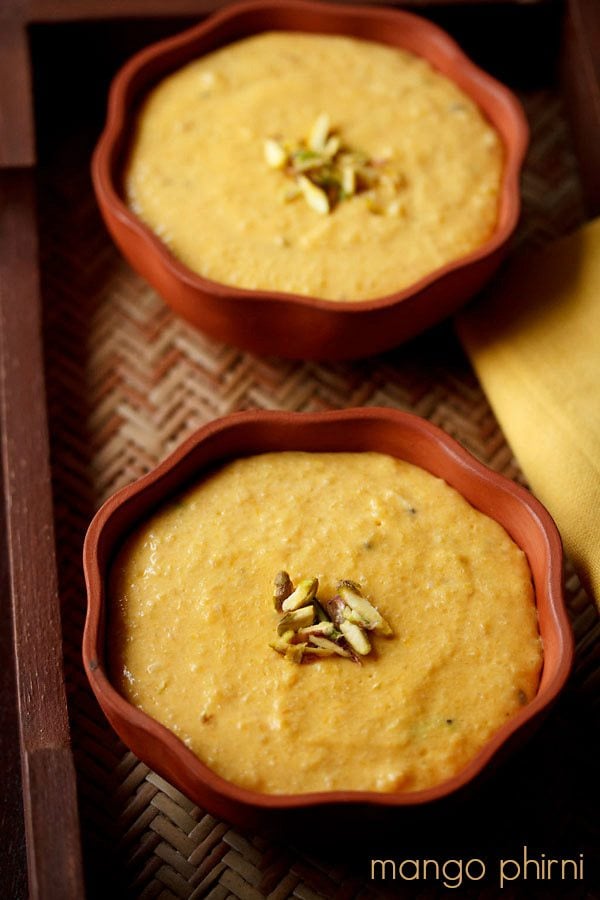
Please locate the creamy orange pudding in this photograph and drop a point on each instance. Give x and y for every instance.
(314, 164)
(191, 622)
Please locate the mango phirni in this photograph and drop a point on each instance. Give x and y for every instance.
(192, 624)
(232, 165)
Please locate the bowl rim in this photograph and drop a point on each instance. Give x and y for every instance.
(117, 128)
(94, 630)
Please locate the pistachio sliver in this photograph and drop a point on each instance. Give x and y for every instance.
(320, 612)
(332, 146)
(314, 196)
(356, 638)
(351, 615)
(348, 180)
(282, 588)
(329, 645)
(281, 644)
(304, 593)
(295, 652)
(305, 160)
(351, 593)
(319, 132)
(275, 155)
(321, 629)
(335, 607)
(297, 619)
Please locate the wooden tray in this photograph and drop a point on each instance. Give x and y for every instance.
(99, 381)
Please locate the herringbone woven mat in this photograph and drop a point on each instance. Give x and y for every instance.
(127, 381)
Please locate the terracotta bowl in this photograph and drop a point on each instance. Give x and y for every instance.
(399, 434)
(289, 324)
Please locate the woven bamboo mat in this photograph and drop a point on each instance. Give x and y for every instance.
(127, 381)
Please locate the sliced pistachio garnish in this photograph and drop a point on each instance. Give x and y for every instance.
(336, 626)
(320, 612)
(326, 171)
(316, 198)
(350, 615)
(352, 594)
(319, 133)
(332, 646)
(282, 588)
(335, 607)
(321, 629)
(280, 645)
(295, 652)
(349, 180)
(304, 160)
(297, 619)
(275, 154)
(302, 595)
(356, 638)
(332, 146)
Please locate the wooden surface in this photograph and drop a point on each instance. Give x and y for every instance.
(216, 378)
(16, 107)
(48, 776)
(12, 873)
(581, 80)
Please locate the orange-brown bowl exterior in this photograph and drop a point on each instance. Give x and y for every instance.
(389, 431)
(289, 324)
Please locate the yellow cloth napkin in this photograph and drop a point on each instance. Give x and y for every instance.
(534, 340)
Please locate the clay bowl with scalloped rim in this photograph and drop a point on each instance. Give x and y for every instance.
(399, 434)
(292, 325)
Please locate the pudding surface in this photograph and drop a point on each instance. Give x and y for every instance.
(197, 176)
(191, 617)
